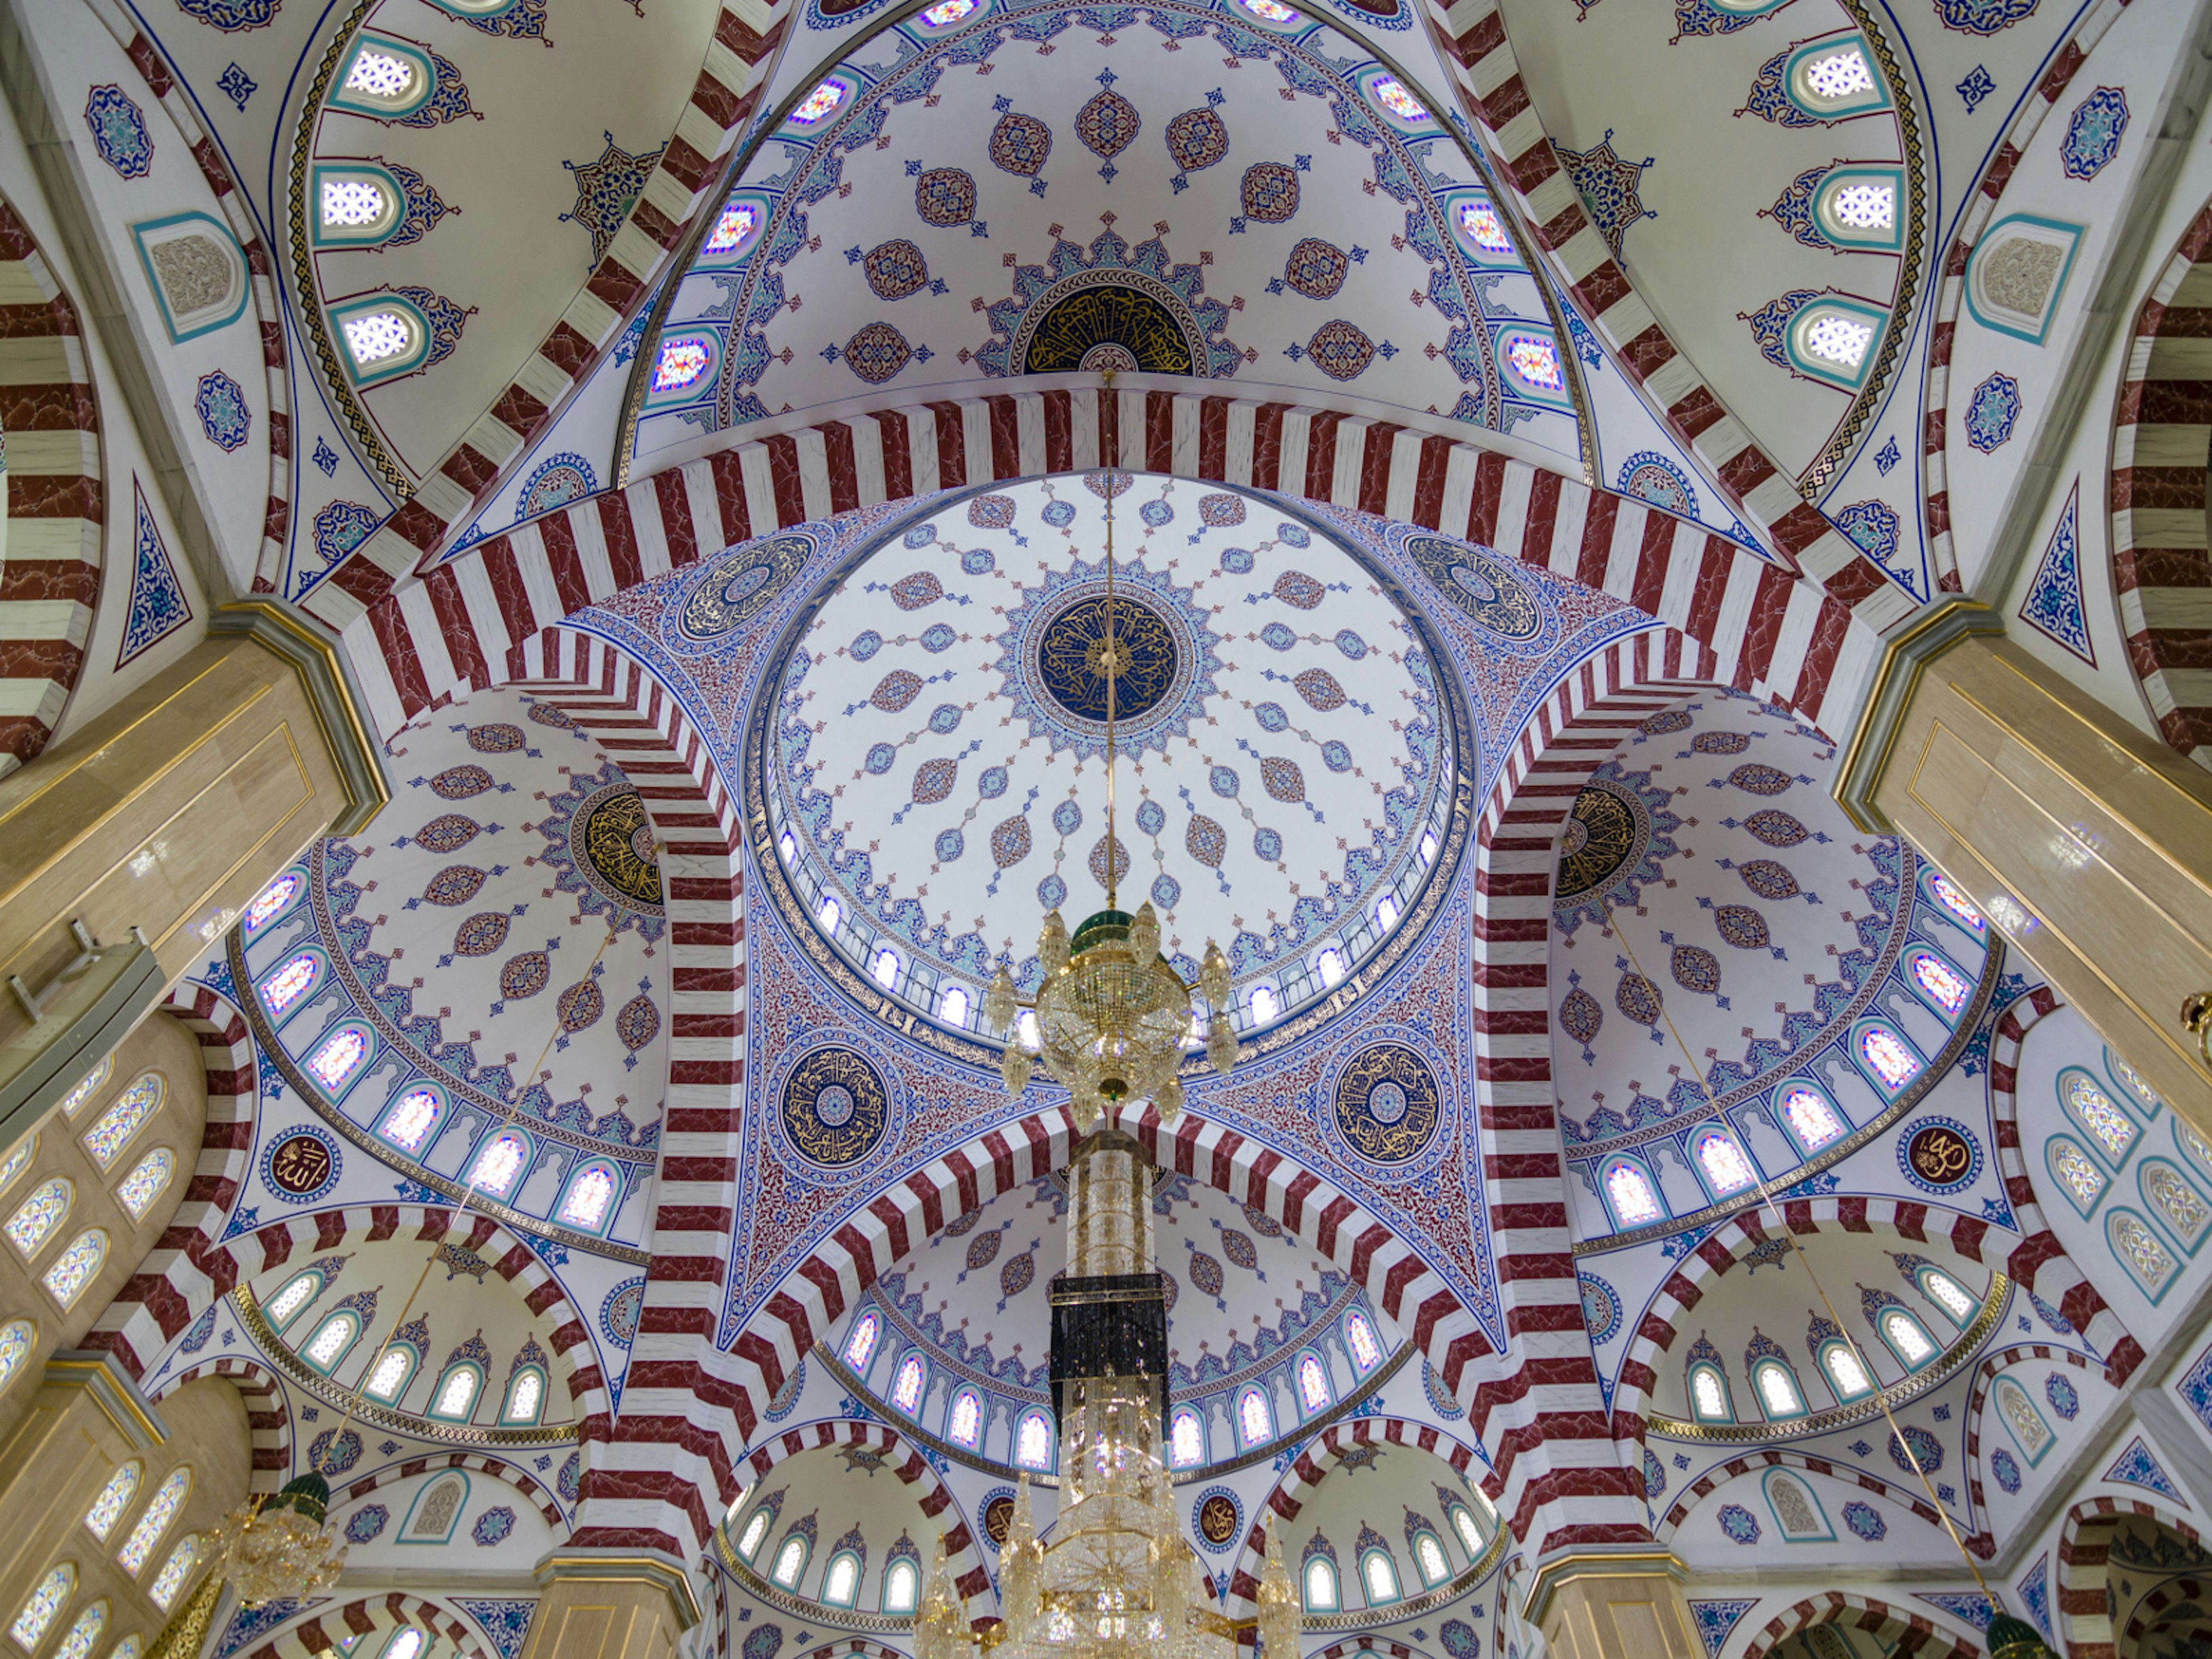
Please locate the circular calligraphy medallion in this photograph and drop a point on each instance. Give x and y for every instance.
(618, 1314)
(835, 1109)
(1071, 653)
(611, 840)
(997, 1517)
(301, 1166)
(1607, 833)
(742, 586)
(1477, 582)
(1387, 1109)
(1218, 1518)
(1940, 1155)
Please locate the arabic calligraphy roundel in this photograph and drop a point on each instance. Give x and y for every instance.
(1388, 1111)
(1940, 1155)
(1478, 582)
(836, 1108)
(742, 586)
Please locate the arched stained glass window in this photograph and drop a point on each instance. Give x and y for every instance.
(1944, 986)
(457, 1393)
(114, 1497)
(733, 227)
(2139, 1250)
(1470, 1534)
(1906, 1339)
(376, 337)
(1320, 1585)
(350, 202)
(860, 1345)
(413, 1116)
(332, 1339)
(340, 1056)
(525, 1396)
(1886, 1056)
(50, 1596)
(1727, 1170)
(406, 1643)
(129, 1648)
(790, 1562)
(2084, 1181)
(174, 1571)
(498, 1164)
(964, 1424)
(1708, 1394)
(905, 1387)
(1777, 1390)
(900, 1582)
(1033, 1442)
(84, 1633)
(843, 1581)
(886, 968)
(381, 75)
(270, 899)
(2113, 1130)
(1359, 1337)
(953, 1007)
(73, 1269)
(37, 1217)
(1845, 1374)
(392, 1373)
(1864, 204)
(2131, 1080)
(1380, 1573)
(755, 1529)
(1947, 1293)
(1628, 1189)
(819, 104)
(1948, 894)
(17, 1338)
(1255, 1422)
(148, 1179)
(160, 1509)
(590, 1198)
(1313, 1384)
(112, 1130)
(81, 1097)
(287, 1302)
(2179, 1204)
(1186, 1439)
(289, 983)
(1810, 1117)
(1429, 1556)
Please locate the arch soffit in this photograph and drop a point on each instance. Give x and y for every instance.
(1924, 1637)
(1755, 1463)
(324, 1628)
(474, 1463)
(2084, 1545)
(268, 1412)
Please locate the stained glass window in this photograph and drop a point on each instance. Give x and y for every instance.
(1270, 9)
(293, 1297)
(899, 1584)
(391, 1374)
(1952, 898)
(842, 1582)
(1707, 1397)
(78, 1643)
(830, 914)
(2131, 1080)
(1535, 359)
(2114, 1130)
(1888, 1057)
(589, 1196)
(75, 1100)
(73, 1268)
(1845, 1374)
(964, 1423)
(407, 1643)
(1837, 75)
(790, 1562)
(411, 1120)
(51, 1596)
(1255, 1421)
(1777, 1390)
(2021, 1416)
(1186, 1439)
(1329, 965)
(335, 1337)
(381, 75)
(272, 898)
(498, 1164)
(146, 1181)
(2139, 1248)
(824, 100)
(2181, 1203)
(39, 1214)
(860, 1345)
(129, 1648)
(906, 1389)
(1313, 1384)
(1430, 1554)
(732, 226)
(1479, 223)
(288, 983)
(523, 1396)
(1903, 1333)
(947, 12)
(456, 1394)
(1320, 1585)
(1865, 204)
(1391, 94)
(755, 1529)
(952, 1008)
(339, 1058)
(112, 1131)
(1944, 985)
(374, 337)
(18, 1161)
(2083, 1178)
(1382, 1576)
(1947, 1293)
(1033, 1442)
(1812, 1120)
(1470, 1535)
(114, 1497)
(1629, 1191)
(1724, 1161)
(162, 1509)
(17, 1338)
(1836, 338)
(1359, 1337)
(1263, 1004)
(349, 203)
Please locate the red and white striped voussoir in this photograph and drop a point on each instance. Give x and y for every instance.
(55, 504)
(1950, 294)
(1905, 1630)
(460, 625)
(2083, 1600)
(686, 181)
(1978, 1398)
(1905, 1497)
(268, 1417)
(1306, 1473)
(276, 517)
(2159, 561)
(2040, 1262)
(475, 1462)
(1557, 1475)
(961, 1555)
(324, 1630)
(1470, 36)
(2179, 1593)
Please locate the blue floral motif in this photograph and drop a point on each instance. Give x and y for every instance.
(1926, 1448)
(1992, 411)
(2006, 1469)
(366, 1523)
(1650, 477)
(1770, 323)
(339, 528)
(158, 606)
(1984, 17)
(1738, 1523)
(2054, 605)
(2135, 1466)
(1655, 1477)
(119, 131)
(1865, 1521)
(1873, 526)
(505, 1620)
(220, 405)
(1716, 1618)
(2063, 1398)
(2093, 135)
(1976, 87)
(232, 17)
(1601, 1308)
(556, 481)
(2034, 1591)
(493, 1526)
(236, 84)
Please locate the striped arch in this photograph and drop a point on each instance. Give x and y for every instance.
(268, 1413)
(462, 625)
(1985, 1375)
(2080, 1608)
(174, 1284)
(2185, 1595)
(2040, 1262)
(1908, 1632)
(961, 1554)
(1558, 1476)
(322, 1631)
(1858, 599)
(1306, 1473)
(2158, 501)
(476, 1462)
(57, 502)
(1772, 1457)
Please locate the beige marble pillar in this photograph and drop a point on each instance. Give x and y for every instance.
(607, 1604)
(2087, 844)
(1613, 1606)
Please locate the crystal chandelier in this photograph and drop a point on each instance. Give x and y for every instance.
(1111, 1015)
(283, 1547)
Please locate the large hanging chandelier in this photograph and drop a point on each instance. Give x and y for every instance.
(1112, 1015)
(283, 1548)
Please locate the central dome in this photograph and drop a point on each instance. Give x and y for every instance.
(936, 758)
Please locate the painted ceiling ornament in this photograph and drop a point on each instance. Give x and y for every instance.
(834, 1109)
(1984, 17)
(1480, 582)
(523, 20)
(1702, 19)
(1618, 834)
(1387, 1109)
(734, 590)
(601, 847)
(1110, 296)
(1607, 183)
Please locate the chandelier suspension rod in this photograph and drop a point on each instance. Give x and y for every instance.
(1110, 662)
